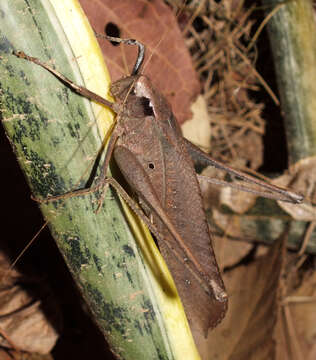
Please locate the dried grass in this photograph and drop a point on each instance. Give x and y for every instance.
(224, 56)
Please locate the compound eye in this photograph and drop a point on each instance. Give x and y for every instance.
(148, 110)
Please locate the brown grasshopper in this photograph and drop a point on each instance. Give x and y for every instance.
(158, 164)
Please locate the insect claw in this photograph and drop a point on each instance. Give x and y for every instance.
(41, 201)
(101, 200)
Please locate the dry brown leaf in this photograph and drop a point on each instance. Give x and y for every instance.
(228, 252)
(230, 224)
(238, 201)
(302, 178)
(247, 330)
(4, 355)
(17, 355)
(198, 129)
(153, 23)
(24, 322)
(296, 331)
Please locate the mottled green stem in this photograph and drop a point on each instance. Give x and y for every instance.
(292, 34)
